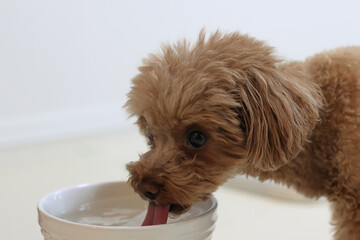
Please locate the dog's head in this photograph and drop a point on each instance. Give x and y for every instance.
(215, 109)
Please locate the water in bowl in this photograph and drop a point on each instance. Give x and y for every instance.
(117, 211)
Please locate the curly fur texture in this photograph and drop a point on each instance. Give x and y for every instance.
(296, 123)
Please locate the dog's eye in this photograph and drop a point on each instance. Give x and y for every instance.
(150, 136)
(196, 139)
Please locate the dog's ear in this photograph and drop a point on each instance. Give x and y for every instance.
(278, 111)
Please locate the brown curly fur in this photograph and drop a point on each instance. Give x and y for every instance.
(293, 122)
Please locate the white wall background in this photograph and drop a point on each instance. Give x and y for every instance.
(65, 66)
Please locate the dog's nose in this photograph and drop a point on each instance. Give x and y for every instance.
(148, 190)
(150, 195)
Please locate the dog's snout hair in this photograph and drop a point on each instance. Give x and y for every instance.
(164, 170)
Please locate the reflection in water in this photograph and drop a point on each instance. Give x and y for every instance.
(119, 211)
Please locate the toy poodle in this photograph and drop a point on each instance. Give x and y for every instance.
(228, 105)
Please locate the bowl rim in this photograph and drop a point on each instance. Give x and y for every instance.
(41, 210)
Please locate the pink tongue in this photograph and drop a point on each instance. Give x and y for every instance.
(156, 214)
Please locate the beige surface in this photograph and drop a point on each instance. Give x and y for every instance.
(29, 172)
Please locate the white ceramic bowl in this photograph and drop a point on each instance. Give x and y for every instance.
(112, 211)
